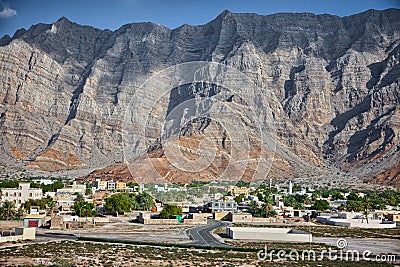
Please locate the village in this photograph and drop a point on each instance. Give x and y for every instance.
(234, 210)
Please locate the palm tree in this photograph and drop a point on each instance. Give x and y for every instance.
(267, 206)
(253, 206)
(8, 210)
(367, 206)
(51, 206)
(306, 200)
(79, 198)
(20, 213)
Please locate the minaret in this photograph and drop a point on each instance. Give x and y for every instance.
(290, 187)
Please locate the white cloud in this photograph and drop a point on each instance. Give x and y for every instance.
(7, 13)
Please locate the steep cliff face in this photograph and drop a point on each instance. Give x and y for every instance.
(332, 85)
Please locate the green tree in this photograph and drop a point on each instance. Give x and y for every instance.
(290, 201)
(354, 205)
(8, 211)
(20, 213)
(170, 210)
(366, 207)
(131, 184)
(320, 204)
(9, 184)
(239, 198)
(337, 195)
(271, 213)
(79, 198)
(145, 201)
(41, 203)
(243, 184)
(253, 207)
(81, 207)
(48, 187)
(51, 207)
(353, 196)
(120, 203)
(267, 206)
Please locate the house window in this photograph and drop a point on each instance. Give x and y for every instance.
(30, 194)
(6, 194)
(19, 201)
(19, 194)
(15, 194)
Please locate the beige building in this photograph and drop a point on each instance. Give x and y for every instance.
(235, 190)
(21, 194)
(121, 186)
(100, 185)
(72, 189)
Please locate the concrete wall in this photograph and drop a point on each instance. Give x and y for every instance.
(266, 220)
(27, 233)
(10, 224)
(240, 217)
(269, 234)
(196, 218)
(160, 221)
(57, 222)
(19, 235)
(224, 216)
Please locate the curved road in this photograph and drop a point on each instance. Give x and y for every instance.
(203, 236)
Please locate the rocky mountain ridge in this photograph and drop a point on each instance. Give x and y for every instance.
(65, 89)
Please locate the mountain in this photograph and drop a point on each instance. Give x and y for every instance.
(329, 84)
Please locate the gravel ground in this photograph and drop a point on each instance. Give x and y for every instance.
(375, 245)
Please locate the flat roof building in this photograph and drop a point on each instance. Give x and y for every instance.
(223, 206)
(21, 194)
(269, 234)
(121, 186)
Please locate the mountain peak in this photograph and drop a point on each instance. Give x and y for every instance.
(225, 13)
(63, 20)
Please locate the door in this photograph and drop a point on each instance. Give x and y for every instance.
(33, 223)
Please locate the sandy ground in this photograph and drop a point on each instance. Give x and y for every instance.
(157, 233)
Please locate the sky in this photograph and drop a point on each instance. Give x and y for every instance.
(107, 14)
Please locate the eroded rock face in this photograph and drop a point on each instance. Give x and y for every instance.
(332, 85)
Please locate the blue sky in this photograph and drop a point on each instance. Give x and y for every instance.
(15, 14)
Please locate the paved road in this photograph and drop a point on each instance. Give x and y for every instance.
(50, 236)
(203, 236)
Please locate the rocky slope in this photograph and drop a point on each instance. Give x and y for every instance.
(330, 85)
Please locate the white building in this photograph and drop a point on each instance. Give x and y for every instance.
(72, 189)
(223, 206)
(111, 185)
(43, 181)
(21, 194)
(350, 219)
